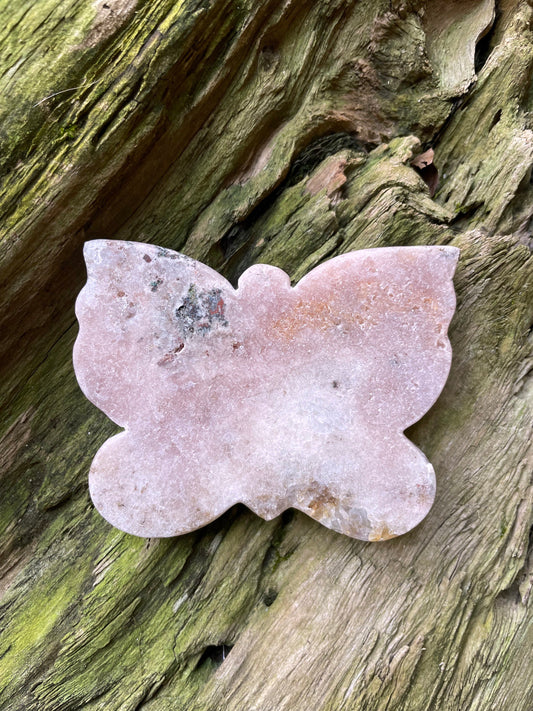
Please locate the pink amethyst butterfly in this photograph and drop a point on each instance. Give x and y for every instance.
(269, 395)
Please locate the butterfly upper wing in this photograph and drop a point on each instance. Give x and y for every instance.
(141, 306)
(390, 308)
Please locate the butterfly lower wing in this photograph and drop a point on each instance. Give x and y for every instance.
(135, 489)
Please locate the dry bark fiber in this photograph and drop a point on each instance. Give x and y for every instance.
(283, 132)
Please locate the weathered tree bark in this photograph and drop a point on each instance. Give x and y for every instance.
(239, 131)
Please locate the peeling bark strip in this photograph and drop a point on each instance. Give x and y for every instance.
(283, 133)
(427, 170)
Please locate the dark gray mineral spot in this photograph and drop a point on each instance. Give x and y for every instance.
(201, 312)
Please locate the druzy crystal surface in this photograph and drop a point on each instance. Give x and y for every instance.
(270, 395)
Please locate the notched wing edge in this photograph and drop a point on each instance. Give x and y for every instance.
(450, 254)
(93, 249)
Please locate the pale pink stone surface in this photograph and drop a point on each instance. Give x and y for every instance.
(268, 395)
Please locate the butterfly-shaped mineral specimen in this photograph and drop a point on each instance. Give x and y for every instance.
(268, 395)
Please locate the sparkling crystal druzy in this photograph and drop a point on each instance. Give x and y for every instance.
(270, 395)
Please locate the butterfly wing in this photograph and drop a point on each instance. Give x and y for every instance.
(146, 315)
(391, 308)
(370, 328)
(140, 307)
